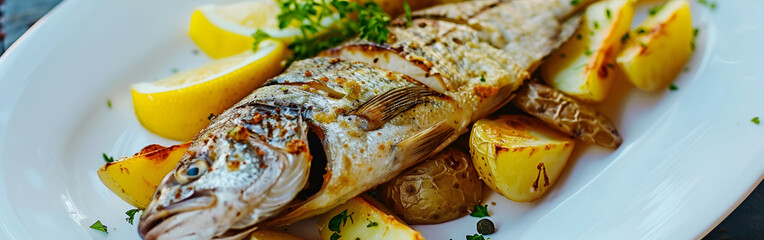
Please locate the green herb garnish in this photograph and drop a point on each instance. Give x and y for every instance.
(259, 36)
(372, 224)
(695, 32)
(339, 220)
(407, 9)
(656, 9)
(335, 236)
(711, 5)
(673, 87)
(370, 23)
(480, 211)
(641, 31)
(131, 215)
(211, 116)
(575, 2)
(475, 237)
(108, 102)
(596, 25)
(174, 70)
(100, 227)
(607, 13)
(562, 55)
(625, 38)
(106, 158)
(482, 78)
(588, 52)
(755, 120)
(578, 36)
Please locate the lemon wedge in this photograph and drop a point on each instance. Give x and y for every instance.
(226, 30)
(178, 107)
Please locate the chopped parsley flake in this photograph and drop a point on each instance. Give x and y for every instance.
(692, 45)
(641, 31)
(596, 25)
(673, 87)
(578, 36)
(608, 13)
(335, 236)
(575, 2)
(656, 9)
(695, 32)
(711, 5)
(562, 55)
(372, 224)
(174, 70)
(475, 237)
(339, 220)
(588, 52)
(100, 227)
(480, 211)
(131, 215)
(482, 78)
(108, 102)
(625, 38)
(643, 44)
(211, 116)
(755, 120)
(259, 36)
(106, 158)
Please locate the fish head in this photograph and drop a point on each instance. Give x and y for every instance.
(227, 184)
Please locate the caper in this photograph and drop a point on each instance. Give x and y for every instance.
(485, 226)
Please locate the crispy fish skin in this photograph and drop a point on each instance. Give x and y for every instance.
(566, 114)
(257, 153)
(252, 164)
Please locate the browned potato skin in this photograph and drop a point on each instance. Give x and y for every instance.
(440, 189)
(567, 114)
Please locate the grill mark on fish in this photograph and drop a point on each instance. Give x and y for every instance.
(486, 48)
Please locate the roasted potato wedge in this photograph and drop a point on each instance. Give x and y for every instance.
(441, 188)
(659, 48)
(517, 156)
(135, 178)
(584, 66)
(267, 234)
(364, 218)
(564, 113)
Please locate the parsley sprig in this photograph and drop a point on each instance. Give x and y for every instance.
(367, 20)
(131, 215)
(475, 237)
(480, 211)
(338, 221)
(100, 227)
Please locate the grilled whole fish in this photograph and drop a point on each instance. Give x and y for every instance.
(332, 127)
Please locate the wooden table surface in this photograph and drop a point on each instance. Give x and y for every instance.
(746, 222)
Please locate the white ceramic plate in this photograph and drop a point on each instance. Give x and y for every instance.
(689, 157)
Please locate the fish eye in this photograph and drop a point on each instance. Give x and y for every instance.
(191, 172)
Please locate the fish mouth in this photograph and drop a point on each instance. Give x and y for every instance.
(159, 219)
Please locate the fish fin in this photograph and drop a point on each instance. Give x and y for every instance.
(424, 143)
(566, 114)
(383, 107)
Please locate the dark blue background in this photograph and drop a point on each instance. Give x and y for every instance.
(746, 222)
